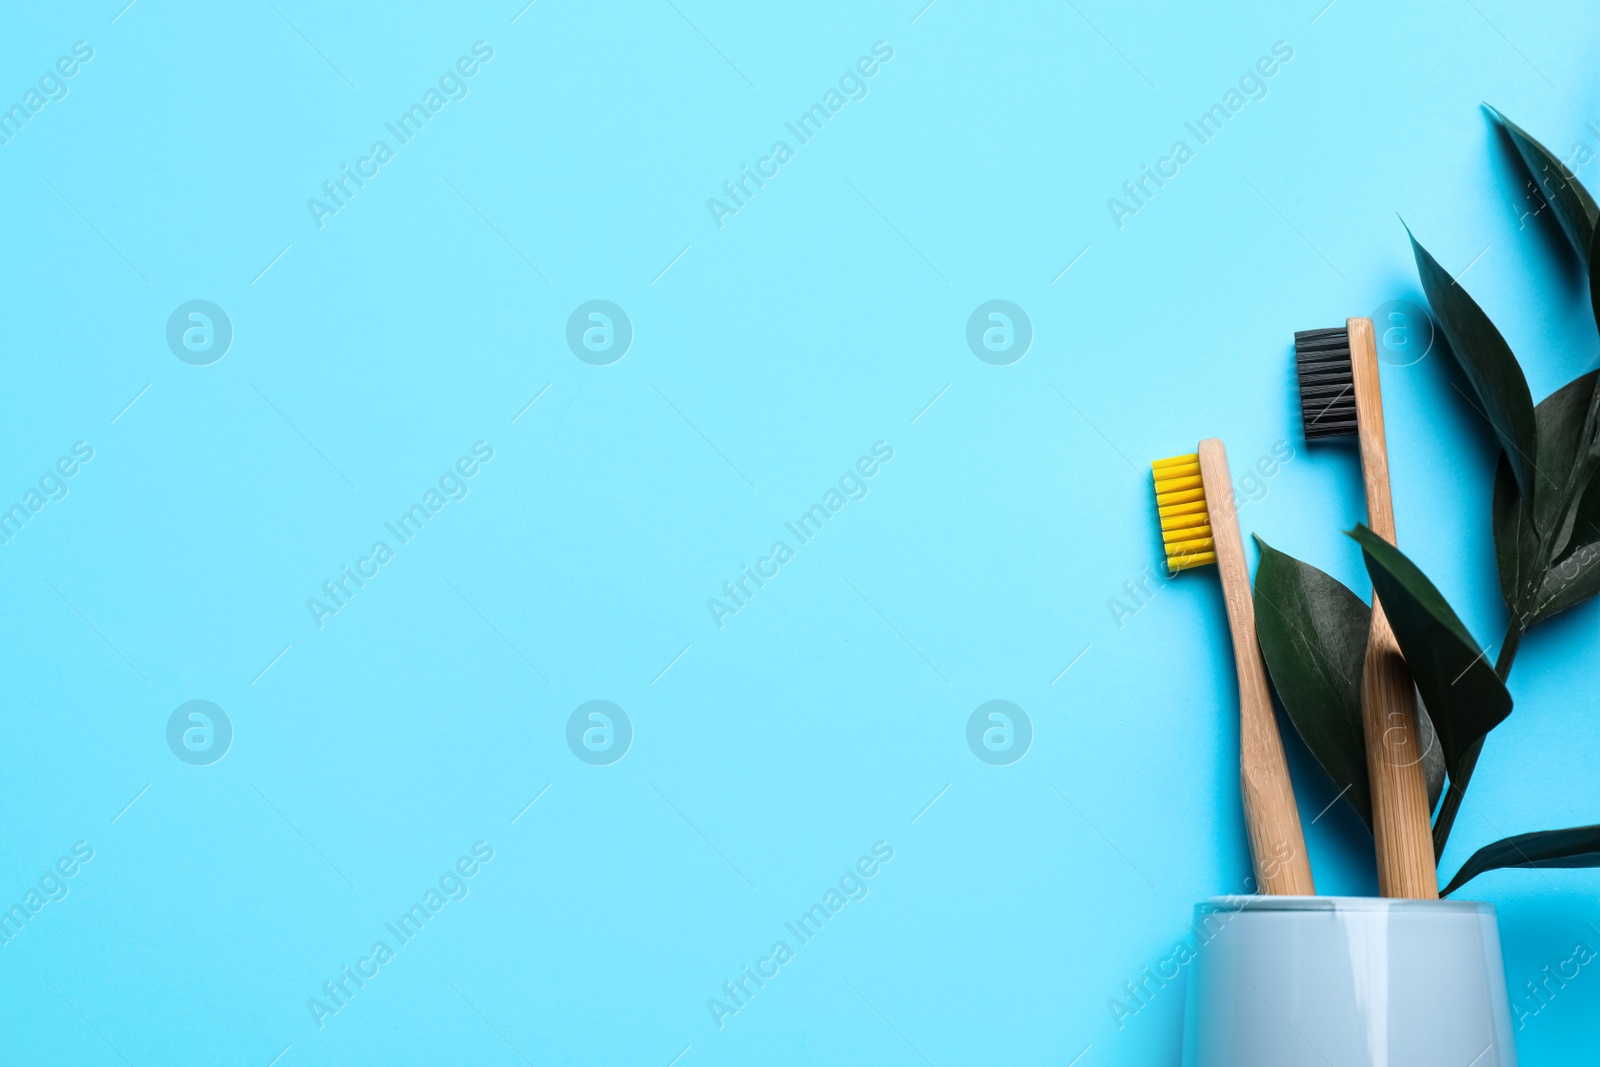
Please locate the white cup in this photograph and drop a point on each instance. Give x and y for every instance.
(1347, 982)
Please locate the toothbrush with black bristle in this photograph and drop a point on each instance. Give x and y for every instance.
(1199, 525)
(1340, 396)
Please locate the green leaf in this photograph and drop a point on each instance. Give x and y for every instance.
(1465, 698)
(1574, 208)
(1518, 552)
(1585, 528)
(1432, 755)
(1313, 635)
(1487, 362)
(1564, 419)
(1582, 527)
(1542, 575)
(1594, 275)
(1566, 584)
(1576, 846)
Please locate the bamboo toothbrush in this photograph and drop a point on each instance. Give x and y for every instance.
(1199, 525)
(1339, 396)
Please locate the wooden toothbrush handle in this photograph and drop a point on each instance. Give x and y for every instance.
(1400, 815)
(1272, 822)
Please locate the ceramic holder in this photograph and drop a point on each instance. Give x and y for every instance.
(1281, 981)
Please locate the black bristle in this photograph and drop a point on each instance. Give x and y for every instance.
(1327, 382)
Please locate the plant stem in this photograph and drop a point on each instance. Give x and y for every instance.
(1469, 762)
(1508, 650)
(1453, 796)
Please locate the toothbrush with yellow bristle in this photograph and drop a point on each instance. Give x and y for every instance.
(1199, 525)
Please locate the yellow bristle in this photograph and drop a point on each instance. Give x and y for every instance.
(1181, 504)
(1172, 483)
(1182, 497)
(1173, 519)
(1188, 546)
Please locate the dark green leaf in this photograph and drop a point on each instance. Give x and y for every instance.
(1586, 516)
(1566, 584)
(1487, 362)
(1576, 846)
(1313, 635)
(1583, 483)
(1541, 576)
(1574, 208)
(1572, 574)
(1432, 756)
(1518, 552)
(1464, 697)
(1594, 275)
(1564, 419)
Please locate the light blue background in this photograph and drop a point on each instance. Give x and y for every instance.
(822, 318)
